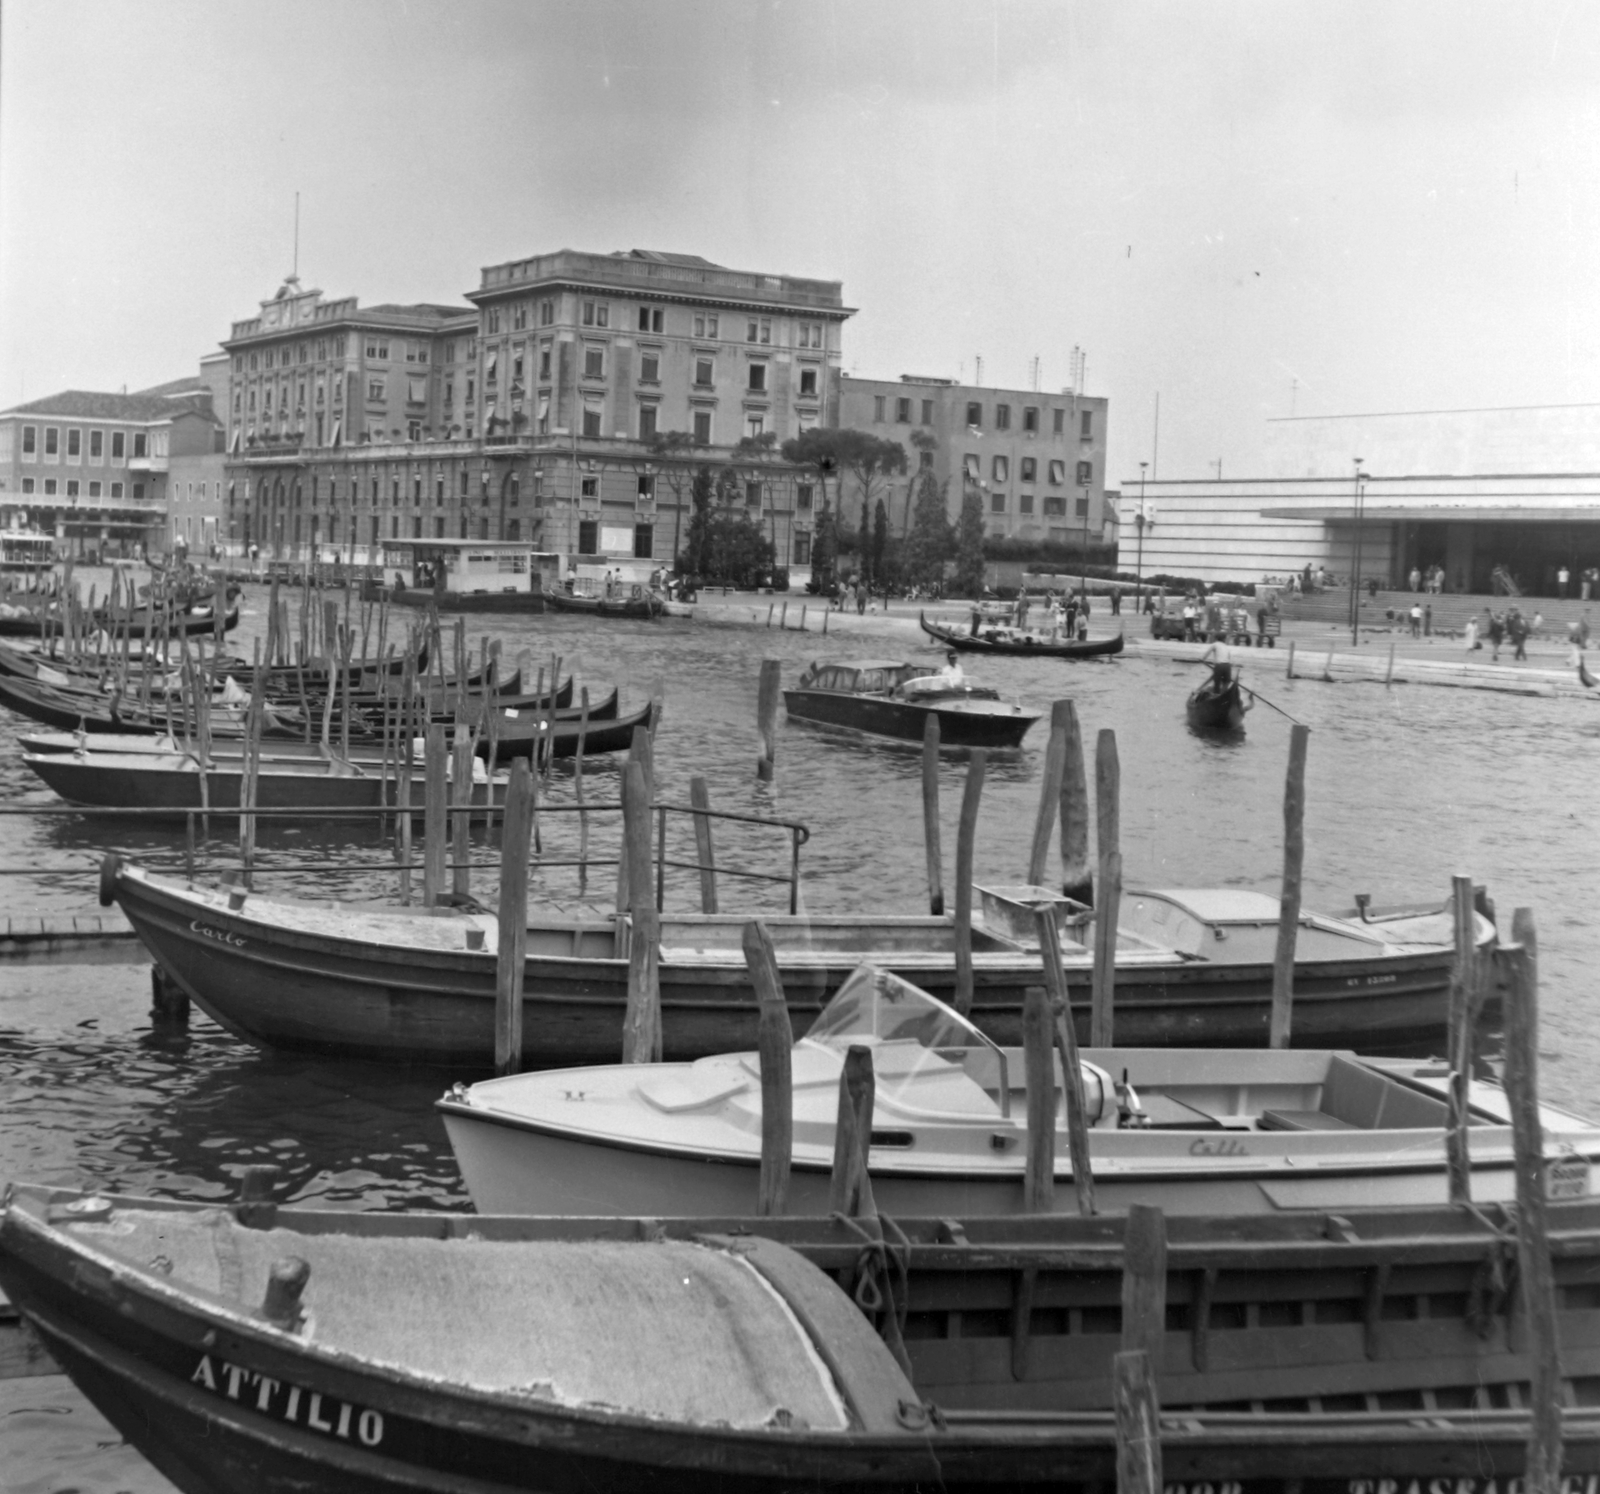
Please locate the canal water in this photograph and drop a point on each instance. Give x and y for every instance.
(1405, 786)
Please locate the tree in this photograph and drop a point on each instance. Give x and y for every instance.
(831, 453)
(670, 450)
(864, 547)
(969, 544)
(824, 549)
(880, 545)
(931, 541)
(695, 560)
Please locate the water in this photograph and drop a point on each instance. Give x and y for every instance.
(1405, 786)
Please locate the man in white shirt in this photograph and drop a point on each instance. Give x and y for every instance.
(951, 676)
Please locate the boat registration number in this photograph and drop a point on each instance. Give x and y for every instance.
(1566, 1177)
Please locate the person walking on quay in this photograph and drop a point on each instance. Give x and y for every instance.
(1416, 620)
(1517, 632)
(1470, 633)
(1116, 601)
(1497, 631)
(1562, 577)
(1415, 578)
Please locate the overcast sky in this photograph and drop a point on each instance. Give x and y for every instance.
(1248, 208)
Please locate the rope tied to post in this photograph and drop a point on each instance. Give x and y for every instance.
(879, 1279)
(1492, 1291)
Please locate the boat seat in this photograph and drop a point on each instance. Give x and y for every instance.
(1304, 1120)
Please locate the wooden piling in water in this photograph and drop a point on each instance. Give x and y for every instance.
(1288, 672)
(930, 814)
(1044, 823)
(849, 1188)
(1519, 964)
(462, 759)
(641, 1027)
(577, 791)
(775, 1045)
(435, 790)
(1038, 1045)
(767, 716)
(1388, 675)
(1108, 791)
(966, 837)
(1294, 855)
(1144, 1282)
(1458, 1040)
(1077, 881)
(704, 851)
(1138, 1412)
(512, 949)
(1066, 1038)
(783, 616)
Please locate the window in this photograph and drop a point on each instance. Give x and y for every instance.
(647, 423)
(647, 485)
(702, 427)
(94, 489)
(72, 487)
(1027, 469)
(972, 466)
(322, 391)
(52, 441)
(754, 424)
(594, 362)
(493, 321)
(810, 334)
(596, 314)
(1030, 420)
(547, 313)
(902, 411)
(650, 367)
(877, 409)
(997, 503)
(927, 412)
(1025, 503)
(1085, 474)
(1001, 469)
(304, 351)
(378, 351)
(519, 317)
(808, 383)
(438, 492)
(926, 459)
(449, 393)
(544, 360)
(588, 536)
(802, 548)
(116, 490)
(375, 389)
(30, 440)
(97, 446)
(644, 541)
(1058, 471)
(1080, 506)
(141, 444)
(1059, 420)
(27, 485)
(1086, 426)
(416, 390)
(752, 495)
(591, 420)
(1002, 417)
(704, 370)
(705, 326)
(758, 329)
(472, 385)
(1055, 507)
(50, 488)
(974, 414)
(516, 365)
(650, 318)
(491, 368)
(758, 377)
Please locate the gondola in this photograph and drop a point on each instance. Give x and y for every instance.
(260, 1349)
(1218, 707)
(996, 640)
(642, 604)
(34, 623)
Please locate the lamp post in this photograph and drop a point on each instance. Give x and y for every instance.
(1355, 579)
(1086, 540)
(1138, 565)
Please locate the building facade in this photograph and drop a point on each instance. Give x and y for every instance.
(96, 470)
(569, 404)
(1038, 460)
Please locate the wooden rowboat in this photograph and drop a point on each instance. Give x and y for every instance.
(254, 1348)
(408, 987)
(644, 605)
(1217, 707)
(1003, 640)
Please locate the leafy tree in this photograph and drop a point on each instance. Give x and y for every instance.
(880, 545)
(864, 547)
(670, 450)
(824, 549)
(969, 544)
(695, 561)
(931, 541)
(869, 459)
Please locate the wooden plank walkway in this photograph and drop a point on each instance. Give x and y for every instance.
(106, 935)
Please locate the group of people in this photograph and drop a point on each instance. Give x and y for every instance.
(1500, 628)
(1588, 581)
(1430, 581)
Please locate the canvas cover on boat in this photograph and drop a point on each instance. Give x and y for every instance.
(663, 1329)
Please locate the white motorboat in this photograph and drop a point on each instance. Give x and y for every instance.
(1195, 1131)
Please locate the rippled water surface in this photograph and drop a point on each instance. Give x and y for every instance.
(1405, 786)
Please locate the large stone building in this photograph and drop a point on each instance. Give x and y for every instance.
(1038, 460)
(99, 470)
(531, 413)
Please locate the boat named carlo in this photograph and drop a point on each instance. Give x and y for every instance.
(1214, 1131)
(891, 698)
(1194, 968)
(261, 1349)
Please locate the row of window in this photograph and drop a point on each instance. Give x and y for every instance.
(75, 443)
(323, 348)
(1053, 506)
(1027, 470)
(75, 488)
(1002, 416)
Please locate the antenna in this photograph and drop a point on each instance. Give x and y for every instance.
(296, 271)
(977, 364)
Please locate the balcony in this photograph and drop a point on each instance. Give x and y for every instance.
(148, 463)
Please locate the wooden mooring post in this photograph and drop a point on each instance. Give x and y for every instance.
(1458, 1040)
(775, 1045)
(1294, 855)
(1108, 790)
(849, 1189)
(1044, 823)
(641, 1026)
(704, 850)
(767, 716)
(461, 820)
(1038, 1047)
(1519, 964)
(511, 952)
(434, 807)
(966, 838)
(1138, 1412)
(930, 814)
(1077, 881)
(1134, 1394)
(1066, 1039)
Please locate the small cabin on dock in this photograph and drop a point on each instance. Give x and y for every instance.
(470, 567)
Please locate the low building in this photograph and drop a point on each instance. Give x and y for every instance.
(1038, 460)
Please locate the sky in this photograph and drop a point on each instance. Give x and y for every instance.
(1238, 211)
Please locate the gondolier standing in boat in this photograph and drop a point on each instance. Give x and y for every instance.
(1220, 657)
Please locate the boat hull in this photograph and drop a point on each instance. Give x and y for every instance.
(393, 999)
(466, 601)
(1210, 710)
(641, 607)
(1093, 648)
(981, 724)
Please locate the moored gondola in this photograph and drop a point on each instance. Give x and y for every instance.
(1003, 640)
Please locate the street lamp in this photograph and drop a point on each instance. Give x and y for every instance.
(1139, 521)
(1355, 579)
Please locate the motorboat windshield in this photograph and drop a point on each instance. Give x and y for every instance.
(912, 1034)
